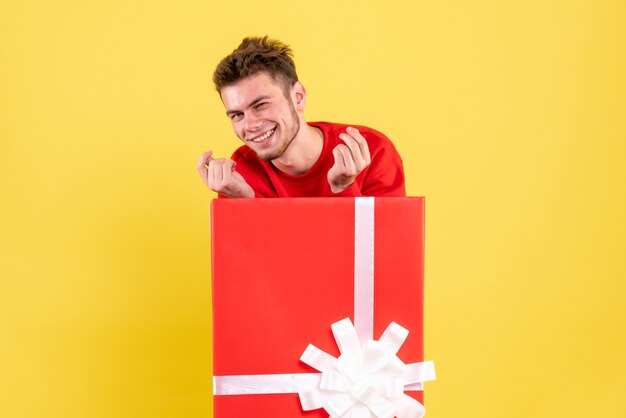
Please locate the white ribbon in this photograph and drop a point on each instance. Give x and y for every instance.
(364, 268)
(368, 379)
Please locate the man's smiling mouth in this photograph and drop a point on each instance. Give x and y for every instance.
(263, 137)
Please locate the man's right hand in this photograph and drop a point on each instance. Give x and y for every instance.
(220, 176)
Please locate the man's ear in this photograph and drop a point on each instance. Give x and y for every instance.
(298, 96)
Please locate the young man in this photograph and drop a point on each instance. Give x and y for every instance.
(283, 155)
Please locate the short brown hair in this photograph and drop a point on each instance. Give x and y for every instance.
(254, 55)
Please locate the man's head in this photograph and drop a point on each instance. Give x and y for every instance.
(255, 55)
(263, 98)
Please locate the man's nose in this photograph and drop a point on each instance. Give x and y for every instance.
(253, 123)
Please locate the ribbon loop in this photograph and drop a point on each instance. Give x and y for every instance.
(318, 359)
(345, 336)
(394, 337)
(419, 372)
(409, 408)
(310, 400)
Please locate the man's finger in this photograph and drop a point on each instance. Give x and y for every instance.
(355, 150)
(201, 165)
(360, 139)
(219, 173)
(204, 159)
(211, 175)
(215, 174)
(204, 173)
(339, 162)
(227, 170)
(348, 161)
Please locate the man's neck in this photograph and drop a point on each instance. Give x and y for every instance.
(303, 152)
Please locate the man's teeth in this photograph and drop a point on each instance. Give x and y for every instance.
(264, 136)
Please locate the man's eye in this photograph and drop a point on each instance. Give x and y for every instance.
(236, 116)
(261, 105)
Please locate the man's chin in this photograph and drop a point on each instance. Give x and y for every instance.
(270, 155)
(267, 156)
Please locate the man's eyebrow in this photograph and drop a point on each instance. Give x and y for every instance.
(259, 99)
(254, 102)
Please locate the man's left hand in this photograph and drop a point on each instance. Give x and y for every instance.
(350, 160)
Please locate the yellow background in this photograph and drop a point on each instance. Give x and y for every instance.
(510, 117)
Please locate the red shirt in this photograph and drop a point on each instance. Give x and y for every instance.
(383, 177)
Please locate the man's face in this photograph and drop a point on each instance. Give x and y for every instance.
(263, 118)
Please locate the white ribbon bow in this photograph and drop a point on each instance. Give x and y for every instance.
(366, 380)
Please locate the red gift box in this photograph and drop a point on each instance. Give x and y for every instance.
(284, 271)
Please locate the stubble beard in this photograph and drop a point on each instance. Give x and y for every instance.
(290, 135)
